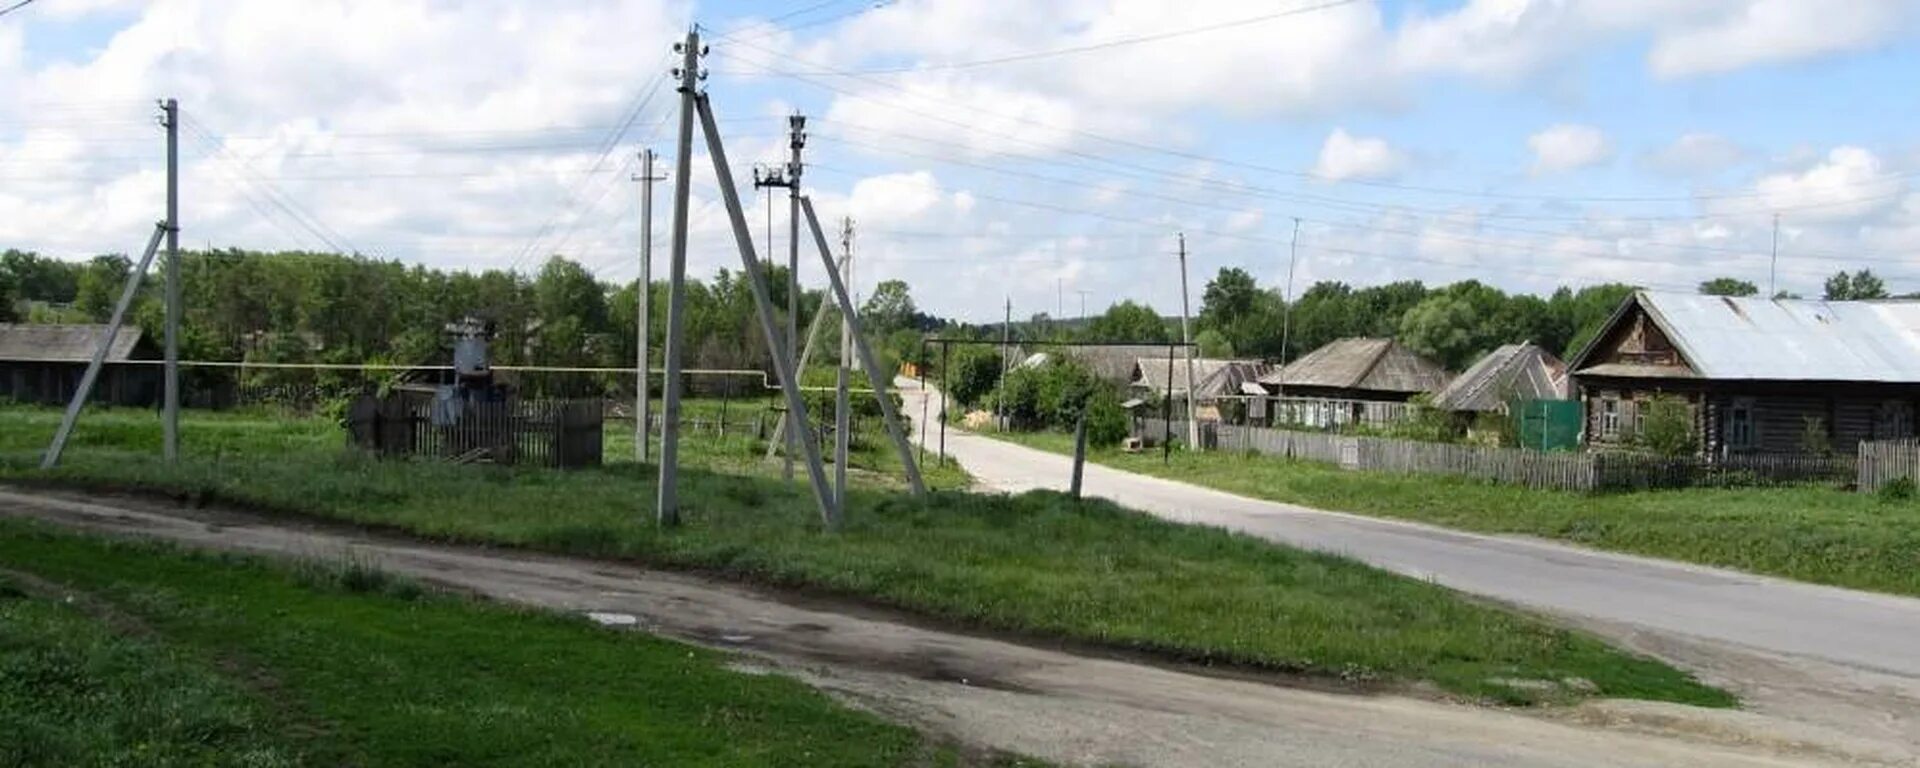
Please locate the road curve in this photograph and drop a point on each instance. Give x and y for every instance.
(1750, 632)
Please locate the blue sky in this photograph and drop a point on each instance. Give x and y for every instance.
(1483, 139)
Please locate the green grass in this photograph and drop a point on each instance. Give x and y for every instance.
(1040, 564)
(1809, 533)
(135, 654)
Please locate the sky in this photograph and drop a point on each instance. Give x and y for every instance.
(1047, 154)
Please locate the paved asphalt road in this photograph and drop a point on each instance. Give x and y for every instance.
(1859, 635)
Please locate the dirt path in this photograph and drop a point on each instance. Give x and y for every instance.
(991, 693)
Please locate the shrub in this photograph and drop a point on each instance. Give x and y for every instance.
(1107, 422)
(1898, 489)
(1666, 426)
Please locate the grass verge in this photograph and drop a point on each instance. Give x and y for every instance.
(1808, 533)
(1038, 564)
(136, 654)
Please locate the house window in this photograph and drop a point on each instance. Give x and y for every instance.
(1893, 419)
(1740, 431)
(1609, 418)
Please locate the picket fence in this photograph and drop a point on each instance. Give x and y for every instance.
(1884, 461)
(1553, 470)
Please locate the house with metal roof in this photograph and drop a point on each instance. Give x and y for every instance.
(1513, 372)
(1758, 375)
(43, 363)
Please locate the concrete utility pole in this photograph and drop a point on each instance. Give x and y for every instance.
(668, 504)
(875, 377)
(1186, 337)
(1286, 311)
(788, 177)
(802, 433)
(842, 415)
(642, 399)
(1773, 266)
(1083, 301)
(84, 392)
(170, 418)
(1006, 362)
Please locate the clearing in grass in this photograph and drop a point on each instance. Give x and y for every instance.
(1809, 533)
(1038, 564)
(114, 653)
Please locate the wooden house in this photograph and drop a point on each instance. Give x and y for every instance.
(43, 363)
(1757, 375)
(1513, 372)
(1349, 381)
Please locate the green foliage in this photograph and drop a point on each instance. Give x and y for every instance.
(1424, 423)
(1126, 322)
(101, 282)
(1861, 285)
(1814, 436)
(1666, 426)
(1899, 489)
(1053, 395)
(890, 308)
(1442, 328)
(973, 370)
(1728, 286)
(1213, 344)
(1107, 422)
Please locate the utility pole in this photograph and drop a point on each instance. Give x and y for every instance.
(788, 177)
(668, 504)
(1006, 361)
(1083, 301)
(1286, 310)
(1186, 337)
(642, 399)
(1773, 266)
(842, 414)
(170, 418)
(1059, 297)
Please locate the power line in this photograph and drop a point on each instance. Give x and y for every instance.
(15, 7)
(1103, 45)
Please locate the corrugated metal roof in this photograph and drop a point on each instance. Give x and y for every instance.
(45, 342)
(1791, 339)
(1379, 365)
(1514, 371)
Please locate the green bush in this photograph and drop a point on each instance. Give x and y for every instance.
(1666, 426)
(1896, 490)
(1107, 422)
(1053, 395)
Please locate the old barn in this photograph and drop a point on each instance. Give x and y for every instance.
(43, 363)
(1758, 375)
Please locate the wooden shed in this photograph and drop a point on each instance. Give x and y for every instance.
(1510, 373)
(1358, 369)
(43, 363)
(1758, 375)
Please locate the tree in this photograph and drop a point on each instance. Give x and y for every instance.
(1442, 328)
(1128, 321)
(1213, 344)
(38, 278)
(973, 370)
(1228, 299)
(100, 284)
(890, 308)
(8, 296)
(1728, 286)
(1666, 427)
(1861, 285)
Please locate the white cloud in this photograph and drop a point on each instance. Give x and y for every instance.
(1773, 31)
(1850, 184)
(1345, 156)
(1696, 154)
(1568, 147)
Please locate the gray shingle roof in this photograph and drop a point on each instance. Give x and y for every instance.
(63, 343)
(1514, 371)
(1379, 365)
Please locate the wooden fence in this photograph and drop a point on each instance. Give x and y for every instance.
(1883, 461)
(545, 433)
(1555, 470)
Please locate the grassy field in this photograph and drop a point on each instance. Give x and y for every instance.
(1807, 533)
(1039, 564)
(125, 654)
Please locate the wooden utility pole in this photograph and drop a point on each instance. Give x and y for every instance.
(667, 507)
(642, 399)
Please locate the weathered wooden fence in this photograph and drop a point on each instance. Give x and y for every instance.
(545, 433)
(1552, 470)
(1883, 461)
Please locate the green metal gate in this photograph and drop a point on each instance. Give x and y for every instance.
(1548, 425)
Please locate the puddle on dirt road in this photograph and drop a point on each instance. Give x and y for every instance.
(607, 619)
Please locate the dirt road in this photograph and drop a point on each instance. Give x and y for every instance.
(987, 692)
(1832, 657)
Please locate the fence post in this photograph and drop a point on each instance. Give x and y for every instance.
(1079, 453)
